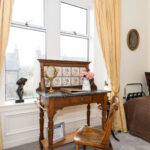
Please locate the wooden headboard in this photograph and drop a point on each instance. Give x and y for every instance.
(68, 73)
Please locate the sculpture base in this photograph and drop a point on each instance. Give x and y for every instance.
(19, 101)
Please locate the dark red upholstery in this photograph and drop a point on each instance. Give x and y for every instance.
(147, 75)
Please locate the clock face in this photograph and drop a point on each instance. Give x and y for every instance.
(50, 72)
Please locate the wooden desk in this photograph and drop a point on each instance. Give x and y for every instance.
(59, 100)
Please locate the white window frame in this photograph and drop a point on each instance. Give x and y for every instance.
(76, 35)
(52, 31)
(27, 26)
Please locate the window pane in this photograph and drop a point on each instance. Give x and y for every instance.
(74, 48)
(28, 11)
(24, 47)
(73, 19)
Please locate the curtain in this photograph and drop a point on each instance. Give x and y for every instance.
(108, 21)
(5, 21)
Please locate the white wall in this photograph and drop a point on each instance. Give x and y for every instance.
(53, 28)
(134, 63)
(20, 122)
(148, 36)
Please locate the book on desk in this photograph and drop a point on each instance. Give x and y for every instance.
(71, 90)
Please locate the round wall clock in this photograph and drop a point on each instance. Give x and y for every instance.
(133, 39)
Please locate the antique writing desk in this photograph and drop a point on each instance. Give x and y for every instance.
(58, 100)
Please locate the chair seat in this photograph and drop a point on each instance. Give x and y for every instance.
(89, 136)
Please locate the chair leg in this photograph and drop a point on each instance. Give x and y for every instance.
(114, 136)
(110, 146)
(77, 146)
(84, 147)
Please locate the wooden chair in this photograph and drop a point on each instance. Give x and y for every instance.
(98, 138)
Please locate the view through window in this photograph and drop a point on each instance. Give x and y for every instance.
(26, 44)
(74, 32)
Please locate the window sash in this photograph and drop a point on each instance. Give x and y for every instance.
(77, 35)
(34, 25)
(77, 58)
(87, 14)
(29, 27)
(71, 34)
(45, 52)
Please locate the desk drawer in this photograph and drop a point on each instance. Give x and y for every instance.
(98, 98)
(81, 100)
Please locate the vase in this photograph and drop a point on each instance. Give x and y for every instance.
(86, 84)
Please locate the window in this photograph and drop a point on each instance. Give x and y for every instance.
(30, 11)
(74, 32)
(26, 44)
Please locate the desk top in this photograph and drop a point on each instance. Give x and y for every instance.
(60, 94)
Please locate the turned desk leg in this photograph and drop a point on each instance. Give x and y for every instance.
(41, 121)
(88, 114)
(50, 124)
(88, 120)
(50, 134)
(104, 111)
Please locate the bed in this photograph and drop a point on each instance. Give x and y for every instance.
(138, 117)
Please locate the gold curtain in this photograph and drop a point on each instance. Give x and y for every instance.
(108, 21)
(5, 21)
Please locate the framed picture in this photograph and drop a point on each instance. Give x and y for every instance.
(133, 39)
(59, 132)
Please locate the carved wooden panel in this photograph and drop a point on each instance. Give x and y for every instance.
(67, 76)
(68, 72)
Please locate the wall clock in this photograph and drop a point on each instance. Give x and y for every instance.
(133, 39)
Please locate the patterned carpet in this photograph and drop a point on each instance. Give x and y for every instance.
(127, 142)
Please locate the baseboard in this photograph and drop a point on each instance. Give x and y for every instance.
(34, 135)
(18, 142)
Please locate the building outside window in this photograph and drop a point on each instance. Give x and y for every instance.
(74, 38)
(26, 44)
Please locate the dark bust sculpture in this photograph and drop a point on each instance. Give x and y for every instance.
(21, 82)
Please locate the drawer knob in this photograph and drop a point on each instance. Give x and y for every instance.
(81, 99)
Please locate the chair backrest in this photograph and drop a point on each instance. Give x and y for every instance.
(113, 107)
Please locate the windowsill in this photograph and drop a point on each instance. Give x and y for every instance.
(12, 103)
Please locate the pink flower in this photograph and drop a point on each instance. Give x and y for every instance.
(89, 75)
